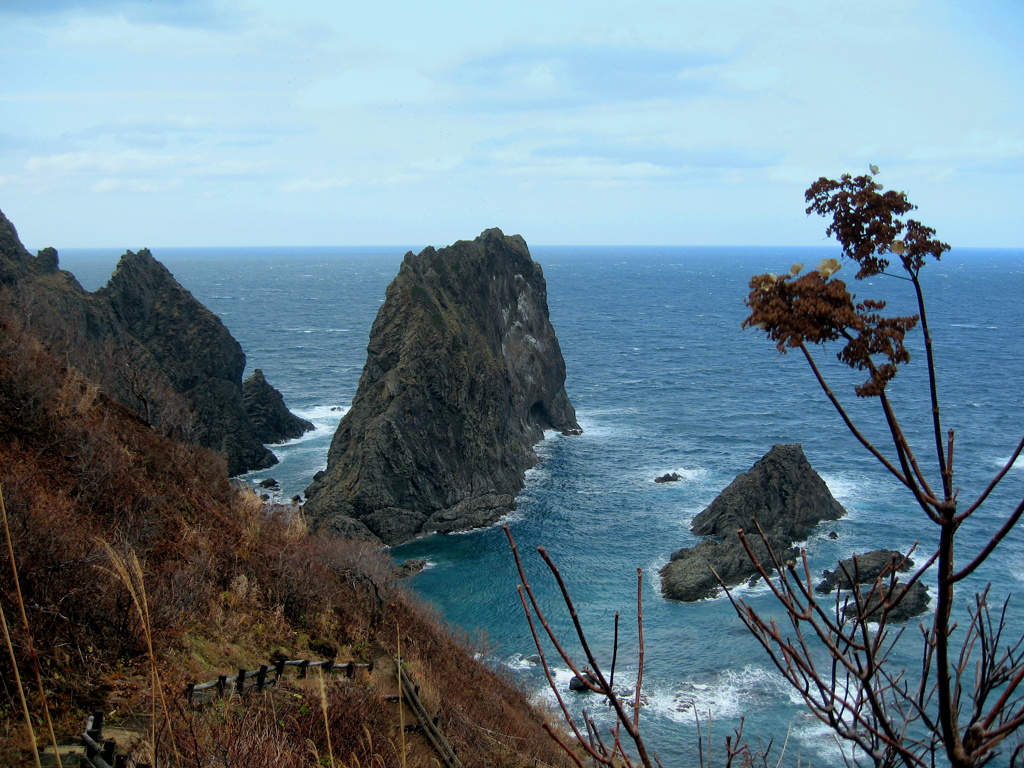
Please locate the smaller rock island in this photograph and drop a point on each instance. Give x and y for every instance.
(270, 417)
(782, 493)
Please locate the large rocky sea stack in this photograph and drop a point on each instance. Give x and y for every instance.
(201, 360)
(463, 375)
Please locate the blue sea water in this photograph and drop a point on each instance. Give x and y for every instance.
(663, 379)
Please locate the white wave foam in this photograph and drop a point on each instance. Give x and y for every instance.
(815, 735)
(687, 475)
(843, 487)
(324, 418)
(518, 662)
(1001, 462)
(729, 694)
(562, 676)
(742, 591)
(322, 414)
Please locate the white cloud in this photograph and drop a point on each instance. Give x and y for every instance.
(438, 164)
(399, 179)
(587, 169)
(314, 185)
(124, 161)
(364, 86)
(976, 145)
(108, 185)
(658, 106)
(224, 168)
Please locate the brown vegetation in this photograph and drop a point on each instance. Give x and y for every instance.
(89, 486)
(965, 706)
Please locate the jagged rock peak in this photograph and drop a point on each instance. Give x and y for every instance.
(145, 340)
(271, 419)
(16, 262)
(193, 349)
(782, 493)
(463, 376)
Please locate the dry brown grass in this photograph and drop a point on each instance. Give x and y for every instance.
(135, 554)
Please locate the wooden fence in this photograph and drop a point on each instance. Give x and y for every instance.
(411, 693)
(258, 679)
(100, 753)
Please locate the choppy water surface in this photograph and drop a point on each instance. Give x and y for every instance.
(663, 380)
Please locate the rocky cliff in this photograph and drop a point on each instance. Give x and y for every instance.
(463, 375)
(195, 351)
(145, 340)
(782, 493)
(270, 417)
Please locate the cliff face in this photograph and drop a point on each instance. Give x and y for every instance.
(145, 340)
(463, 375)
(782, 493)
(195, 351)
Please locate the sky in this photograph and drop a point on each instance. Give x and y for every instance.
(147, 123)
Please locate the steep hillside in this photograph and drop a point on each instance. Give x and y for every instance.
(145, 340)
(228, 583)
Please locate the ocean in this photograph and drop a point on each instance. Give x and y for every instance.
(663, 380)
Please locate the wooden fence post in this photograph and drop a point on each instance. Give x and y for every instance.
(261, 677)
(240, 682)
(303, 666)
(108, 750)
(222, 685)
(94, 730)
(190, 691)
(278, 669)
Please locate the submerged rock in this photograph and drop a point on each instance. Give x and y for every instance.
(579, 682)
(782, 493)
(913, 603)
(411, 567)
(463, 375)
(870, 567)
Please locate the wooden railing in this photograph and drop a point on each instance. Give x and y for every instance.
(100, 753)
(258, 679)
(411, 693)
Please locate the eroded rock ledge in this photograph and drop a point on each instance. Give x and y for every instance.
(463, 375)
